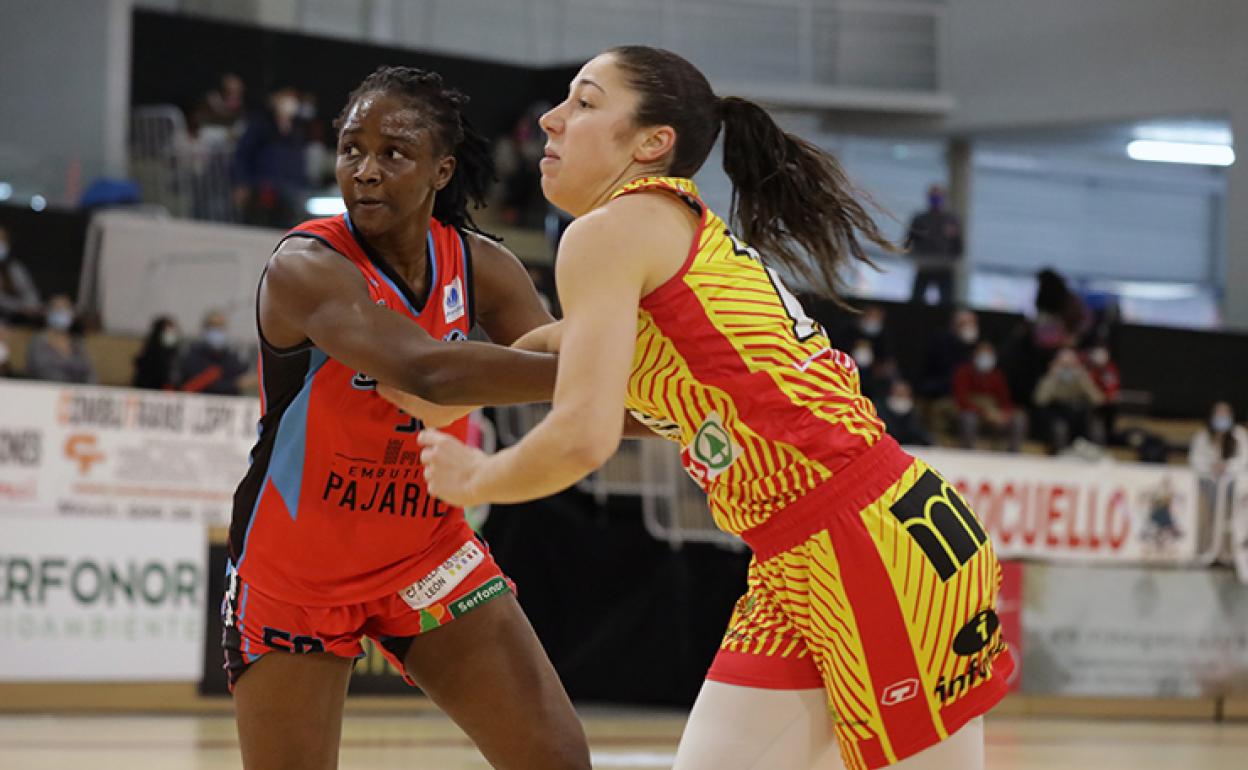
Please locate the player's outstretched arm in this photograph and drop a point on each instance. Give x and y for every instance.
(607, 260)
(311, 293)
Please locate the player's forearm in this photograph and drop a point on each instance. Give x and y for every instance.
(473, 373)
(552, 457)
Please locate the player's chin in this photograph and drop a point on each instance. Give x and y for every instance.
(554, 191)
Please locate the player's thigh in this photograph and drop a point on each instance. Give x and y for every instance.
(289, 711)
(748, 728)
(488, 672)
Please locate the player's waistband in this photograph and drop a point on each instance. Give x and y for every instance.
(852, 488)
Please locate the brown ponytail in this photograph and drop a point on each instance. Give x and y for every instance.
(792, 201)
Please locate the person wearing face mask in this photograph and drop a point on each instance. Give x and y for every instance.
(270, 163)
(55, 354)
(156, 365)
(1104, 373)
(900, 418)
(1065, 397)
(935, 240)
(19, 297)
(1219, 451)
(209, 365)
(948, 348)
(985, 407)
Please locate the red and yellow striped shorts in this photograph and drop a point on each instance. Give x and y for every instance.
(881, 588)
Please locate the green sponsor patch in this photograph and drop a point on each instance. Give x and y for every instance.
(493, 589)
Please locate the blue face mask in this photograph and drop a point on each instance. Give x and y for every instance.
(936, 202)
(1221, 423)
(215, 338)
(60, 320)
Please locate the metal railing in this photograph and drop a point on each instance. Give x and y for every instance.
(189, 177)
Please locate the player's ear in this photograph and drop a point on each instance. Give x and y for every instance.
(656, 142)
(445, 170)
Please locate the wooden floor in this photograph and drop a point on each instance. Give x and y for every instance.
(619, 738)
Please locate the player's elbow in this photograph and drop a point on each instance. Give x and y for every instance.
(586, 450)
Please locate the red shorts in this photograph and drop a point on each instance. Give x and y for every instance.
(879, 587)
(254, 623)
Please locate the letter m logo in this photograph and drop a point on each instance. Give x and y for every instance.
(939, 520)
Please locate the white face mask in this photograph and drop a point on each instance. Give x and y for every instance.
(985, 362)
(1221, 423)
(1100, 356)
(863, 356)
(968, 334)
(899, 405)
(169, 338)
(60, 320)
(872, 327)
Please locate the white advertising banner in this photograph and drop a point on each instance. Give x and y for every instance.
(1070, 510)
(140, 266)
(118, 453)
(101, 600)
(1133, 631)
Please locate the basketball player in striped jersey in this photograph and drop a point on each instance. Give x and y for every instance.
(867, 636)
(335, 534)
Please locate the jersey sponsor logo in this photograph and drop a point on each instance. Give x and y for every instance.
(938, 519)
(453, 301)
(367, 489)
(899, 692)
(665, 428)
(711, 452)
(977, 633)
(455, 335)
(439, 583)
(362, 381)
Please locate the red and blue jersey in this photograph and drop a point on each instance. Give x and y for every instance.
(334, 508)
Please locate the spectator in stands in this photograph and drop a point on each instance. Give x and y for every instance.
(156, 365)
(983, 401)
(1219, 451)
(948, 349)
(270, 163)
(56, 353)
(209, 365)
(1065, 398)
(1220, 448)
(6, 364)
(516, 158)
(935, 240)
(19, 298)
(1061, 316)
(221, 112)
(1104, 373)
(866, 339)
(900, 418)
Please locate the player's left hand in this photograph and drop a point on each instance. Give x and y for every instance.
(451, 468)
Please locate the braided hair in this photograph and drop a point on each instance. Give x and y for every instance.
(443, 107)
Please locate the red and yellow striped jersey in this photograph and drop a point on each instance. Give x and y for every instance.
(728, 364)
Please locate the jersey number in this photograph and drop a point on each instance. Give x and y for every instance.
(934, 514)
(804, 327)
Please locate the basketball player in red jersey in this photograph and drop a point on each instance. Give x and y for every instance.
(335, 534)
(867, 636)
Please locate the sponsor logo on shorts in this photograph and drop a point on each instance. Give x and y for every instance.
(437, 585)
(899, 692)
(492, 589)
(977, 633)
(978, 670)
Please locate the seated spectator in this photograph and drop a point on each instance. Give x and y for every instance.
(1061, 317)
(948, 349)
(866, 340)
(19, 299)
(270, 163)
(983, 401)
(55, 354)
(1104, 373)
(156, 365)
(900, 418)
(1065, 398)
(6, 365)
(209, 365)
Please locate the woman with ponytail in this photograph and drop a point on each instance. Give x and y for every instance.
(868, 628)
(335, 534)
